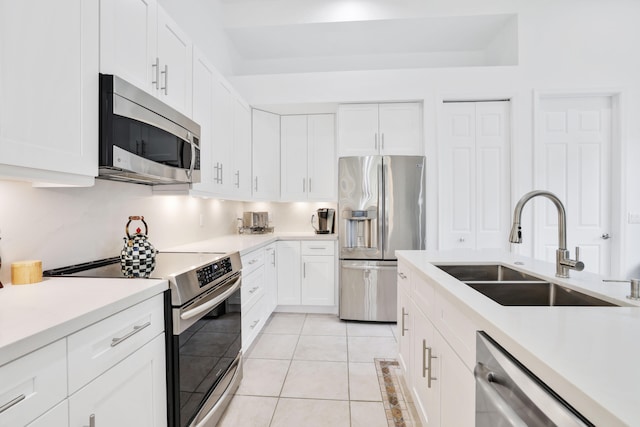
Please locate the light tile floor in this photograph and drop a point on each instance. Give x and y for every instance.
(313, 370)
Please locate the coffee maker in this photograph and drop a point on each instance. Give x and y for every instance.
(326, 221)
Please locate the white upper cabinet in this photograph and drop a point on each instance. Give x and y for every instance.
(388, 129)
(241, 150)
(266, 155)
(308, 158)
(142, 45)
(49, 91)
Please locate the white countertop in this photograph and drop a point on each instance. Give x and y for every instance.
(588, 355)
(35, 315)
(245, 243)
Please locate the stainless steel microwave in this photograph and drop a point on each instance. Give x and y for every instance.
(143, 140)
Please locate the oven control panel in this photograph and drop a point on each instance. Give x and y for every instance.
(213, 271)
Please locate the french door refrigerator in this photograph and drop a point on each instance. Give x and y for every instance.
(381, 209)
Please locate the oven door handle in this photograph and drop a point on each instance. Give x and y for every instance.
(208, 305)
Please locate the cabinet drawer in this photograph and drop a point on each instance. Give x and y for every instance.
(317, 247)
(423, 292)
(252, 261)
(252, 288)
(253, 321)
(96, 348)
(32, 384)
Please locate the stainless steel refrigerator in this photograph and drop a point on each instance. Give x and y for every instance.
(381, 209)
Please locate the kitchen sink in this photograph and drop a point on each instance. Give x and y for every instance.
(536, 294)
(467, 273)
(510, 287)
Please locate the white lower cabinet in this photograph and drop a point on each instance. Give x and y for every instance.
(130, 393)
(306, 273)
(56, 417)
(438, 372)
(113, 370)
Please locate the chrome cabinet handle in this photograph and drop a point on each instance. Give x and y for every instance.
(221, 173)
(304, 185)
(316, 247)
(253, 261)
(256, 186)
(156, 66)
(273, 260)
(92, 420)
(402, 275)
(382, 143)
(304, 269)
(237, 179)
(166, 79)
(12, 403)
(426, 363)
(255, 322)
(404, 313)
(605, 236)
(253, 289)
(136, 329)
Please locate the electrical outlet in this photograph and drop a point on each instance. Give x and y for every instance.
(634, 218)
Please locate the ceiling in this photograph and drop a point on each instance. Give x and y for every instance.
(436, 41)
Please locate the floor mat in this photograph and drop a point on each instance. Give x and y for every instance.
(397, 409)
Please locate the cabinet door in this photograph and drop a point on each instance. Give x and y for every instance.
(318, 280)
(457, 389)
(222, 137)
(405, 332)
(132, 393)
(56, 417)
(203, 81)
(293, 145)
(241, 150)
(321, 163)
(357, 130)
(266, 155)
(128, 32)
(270, 279)
(49, 90)
(401, 129)
(288, 272)
(175, 52)
(425, 369)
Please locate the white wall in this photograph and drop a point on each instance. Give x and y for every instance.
(568, 45)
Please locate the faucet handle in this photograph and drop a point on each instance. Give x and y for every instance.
(577, 253)
(577, 264)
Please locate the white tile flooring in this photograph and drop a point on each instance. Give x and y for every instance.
(313, 370)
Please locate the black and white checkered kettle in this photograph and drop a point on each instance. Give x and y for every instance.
(138, 256)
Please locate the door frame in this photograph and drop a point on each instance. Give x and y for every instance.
(617, 165)
(514, 151)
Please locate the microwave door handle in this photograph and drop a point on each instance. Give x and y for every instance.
(193, 156)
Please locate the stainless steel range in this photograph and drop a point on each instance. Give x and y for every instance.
(204, 357)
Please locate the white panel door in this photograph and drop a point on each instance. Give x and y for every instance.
(289, 273)
(321, 163)
(128, 41)
(241, 150)
(266, 155)
(400, 129)
(357, 130)
(475, 175)
(574, 146)
(317, 286)
(175, 51)
(293, 146)
(203, 80)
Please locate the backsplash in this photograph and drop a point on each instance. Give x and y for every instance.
(63, 226)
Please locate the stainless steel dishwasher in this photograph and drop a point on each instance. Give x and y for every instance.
(507, 394)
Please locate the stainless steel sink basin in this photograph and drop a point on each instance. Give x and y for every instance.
(467, 273)
(512, 288)
(536, 294)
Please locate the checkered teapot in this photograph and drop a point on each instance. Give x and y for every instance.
(138, 256)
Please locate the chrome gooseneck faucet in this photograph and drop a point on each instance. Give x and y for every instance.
(563, 261)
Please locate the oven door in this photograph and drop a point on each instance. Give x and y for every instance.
(205, 364)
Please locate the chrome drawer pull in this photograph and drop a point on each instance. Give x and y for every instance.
(253, 261)
(253, 289)
(255, 322)
(136, 329)
(426, 363)
(12, 403)
(317, 247)
(402, 276)
(404, 313)
(92, 420)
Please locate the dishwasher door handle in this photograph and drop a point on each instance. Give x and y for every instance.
(484, 378)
